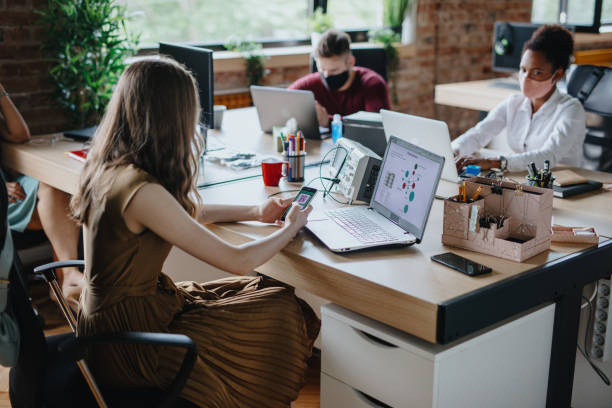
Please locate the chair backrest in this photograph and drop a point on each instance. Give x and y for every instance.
(373, 58)
(32, 360)
(3, 210)
(593, 86)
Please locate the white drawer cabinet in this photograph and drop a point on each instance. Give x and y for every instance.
(504, 366)
(337, 394)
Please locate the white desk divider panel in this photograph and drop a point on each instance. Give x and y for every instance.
(368, 364)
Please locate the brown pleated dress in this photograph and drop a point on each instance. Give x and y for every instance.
(253, 335)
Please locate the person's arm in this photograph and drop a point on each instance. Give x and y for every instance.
(12, 126)
(270, 211)
(480, 135)
(377, 97)
(304, 83)
(154, 208)
(568, 135)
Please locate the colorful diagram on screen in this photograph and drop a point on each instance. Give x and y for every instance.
(410, 179)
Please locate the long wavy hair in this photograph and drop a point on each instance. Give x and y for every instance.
(151, 123)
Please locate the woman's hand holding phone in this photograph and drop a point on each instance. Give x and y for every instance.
(297, 217)
(273, 209)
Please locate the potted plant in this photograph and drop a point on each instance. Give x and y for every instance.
(387, 37)
(394, 12)
(255, 67)
(318, 23)
(88, 43)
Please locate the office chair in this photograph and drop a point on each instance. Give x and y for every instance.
(592, 85)
(373, 58)
(51, 371)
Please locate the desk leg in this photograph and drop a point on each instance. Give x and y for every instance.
(563, 353)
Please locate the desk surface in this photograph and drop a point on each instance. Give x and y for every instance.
(400, 287)
(478, 95)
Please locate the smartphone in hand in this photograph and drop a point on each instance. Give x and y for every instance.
(461, 264)
(303, 197)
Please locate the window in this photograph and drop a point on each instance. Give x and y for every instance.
(356, 14)
(214, 21)
(580, 12)
(606, 12)
(584, 15)
(543, 11)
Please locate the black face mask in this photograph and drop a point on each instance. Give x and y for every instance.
(335, 82)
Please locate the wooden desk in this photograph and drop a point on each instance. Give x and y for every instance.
(401, 287)
(478, 95)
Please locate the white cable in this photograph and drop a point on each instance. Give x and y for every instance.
(592, 296)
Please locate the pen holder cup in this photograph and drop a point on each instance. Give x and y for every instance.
(457, 214)
(295, 168)
(537, 183)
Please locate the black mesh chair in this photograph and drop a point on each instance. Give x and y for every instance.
(592, 85)
(373, 58)
(51, 372)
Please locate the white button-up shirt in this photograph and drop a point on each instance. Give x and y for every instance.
(555, 132)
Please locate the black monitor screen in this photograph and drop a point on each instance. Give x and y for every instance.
(508, 41)
(200, 62)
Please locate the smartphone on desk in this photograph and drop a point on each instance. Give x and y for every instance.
(303, 197)
(461, 264)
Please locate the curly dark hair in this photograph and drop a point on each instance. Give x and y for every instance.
(555, 42)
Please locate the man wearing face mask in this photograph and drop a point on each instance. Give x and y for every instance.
(541, 123)
(339, 86)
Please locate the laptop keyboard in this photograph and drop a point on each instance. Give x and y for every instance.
(362, 228)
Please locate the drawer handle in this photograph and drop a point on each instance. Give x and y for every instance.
(371, 401)
(373, 339)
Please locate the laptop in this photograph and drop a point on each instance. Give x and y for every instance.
(399, 207)
(277, 105)
(429, 134)
(81, 135)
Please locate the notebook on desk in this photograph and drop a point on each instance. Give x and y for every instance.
(575, 189)
(399, 207)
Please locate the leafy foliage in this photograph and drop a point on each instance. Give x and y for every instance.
(319, 21)
(255, 67)
(88, 42)
(394, 12)
(387, 37)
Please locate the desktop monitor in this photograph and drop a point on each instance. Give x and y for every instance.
(200, 62)
(508, 41)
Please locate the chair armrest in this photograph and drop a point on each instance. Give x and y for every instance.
(77, 346)
(48, 270)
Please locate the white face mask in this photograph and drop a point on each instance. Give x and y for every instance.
(533, 89)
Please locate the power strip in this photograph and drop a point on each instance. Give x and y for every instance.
(601, 345)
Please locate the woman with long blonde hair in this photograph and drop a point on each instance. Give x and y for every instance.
(137, 198)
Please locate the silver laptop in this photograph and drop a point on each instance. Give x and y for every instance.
(277, 105)
(429, 134)
(399, 207)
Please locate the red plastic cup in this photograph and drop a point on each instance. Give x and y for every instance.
(272, 172)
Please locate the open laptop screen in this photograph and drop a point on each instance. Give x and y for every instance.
(406, 185)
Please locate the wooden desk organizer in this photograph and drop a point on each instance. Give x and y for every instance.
(525, 231)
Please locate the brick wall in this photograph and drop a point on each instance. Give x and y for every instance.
(464, 31)
(23, 70)
(453, 43)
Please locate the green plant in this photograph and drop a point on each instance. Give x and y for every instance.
(394, 12)
(88, 42)
(319, 21)
(386, 37)
(254, 61)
